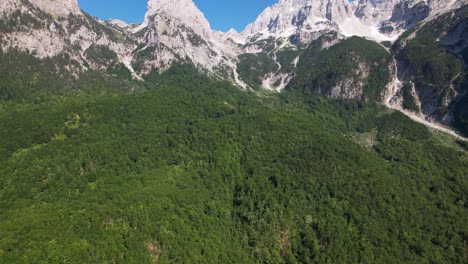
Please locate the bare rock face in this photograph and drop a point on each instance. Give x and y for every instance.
(176, 31)
(442, 4)
(435, 92)
(184, 11)
(379, 20)
(8, 6)
(52, 28)
(375, 11)
(57, 7)
(410, 11)
(298, 17)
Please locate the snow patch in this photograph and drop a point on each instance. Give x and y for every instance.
(352, 26)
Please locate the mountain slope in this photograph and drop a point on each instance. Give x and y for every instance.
(289, 30)
(266, 55)
(50, 30)
(194, 170)
(355, 69)
(177, 31)
(306, 20)
(130, 144)
(432, 69)
(173, 32)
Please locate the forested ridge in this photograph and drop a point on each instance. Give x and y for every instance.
(437, 68)
(185, 169)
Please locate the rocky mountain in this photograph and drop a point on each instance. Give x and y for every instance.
(176, 31)
(172, 32)
(297, 36)
(60, 30)
(54, 8)
(287, 47)
(294, 24)
(169, 142)
(431, 77)
(302, 21)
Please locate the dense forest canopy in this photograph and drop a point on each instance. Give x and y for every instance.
(190, 170)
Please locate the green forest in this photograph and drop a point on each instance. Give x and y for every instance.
(186, 169)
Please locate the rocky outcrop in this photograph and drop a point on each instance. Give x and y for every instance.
(284, 36)
(49, 29)
(432, 68)
(379, 20)
(176, 31)
(57, 8)
(299, 18)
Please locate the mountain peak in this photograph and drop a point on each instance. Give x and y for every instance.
(232, 31)
(168, 4)
(289, 16)
(183, 10)
(176, 31)
(379, 20)
(57, 7)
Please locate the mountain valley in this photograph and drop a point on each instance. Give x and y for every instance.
(327, 131)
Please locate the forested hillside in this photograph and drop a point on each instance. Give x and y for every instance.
(184, 169)
(170, 142)
(355, 68)
(433, 57)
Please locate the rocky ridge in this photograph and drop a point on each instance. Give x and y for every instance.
(379, 20)
(176, 31)
(51, 29)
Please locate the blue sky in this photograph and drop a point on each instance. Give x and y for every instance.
(222, 14)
